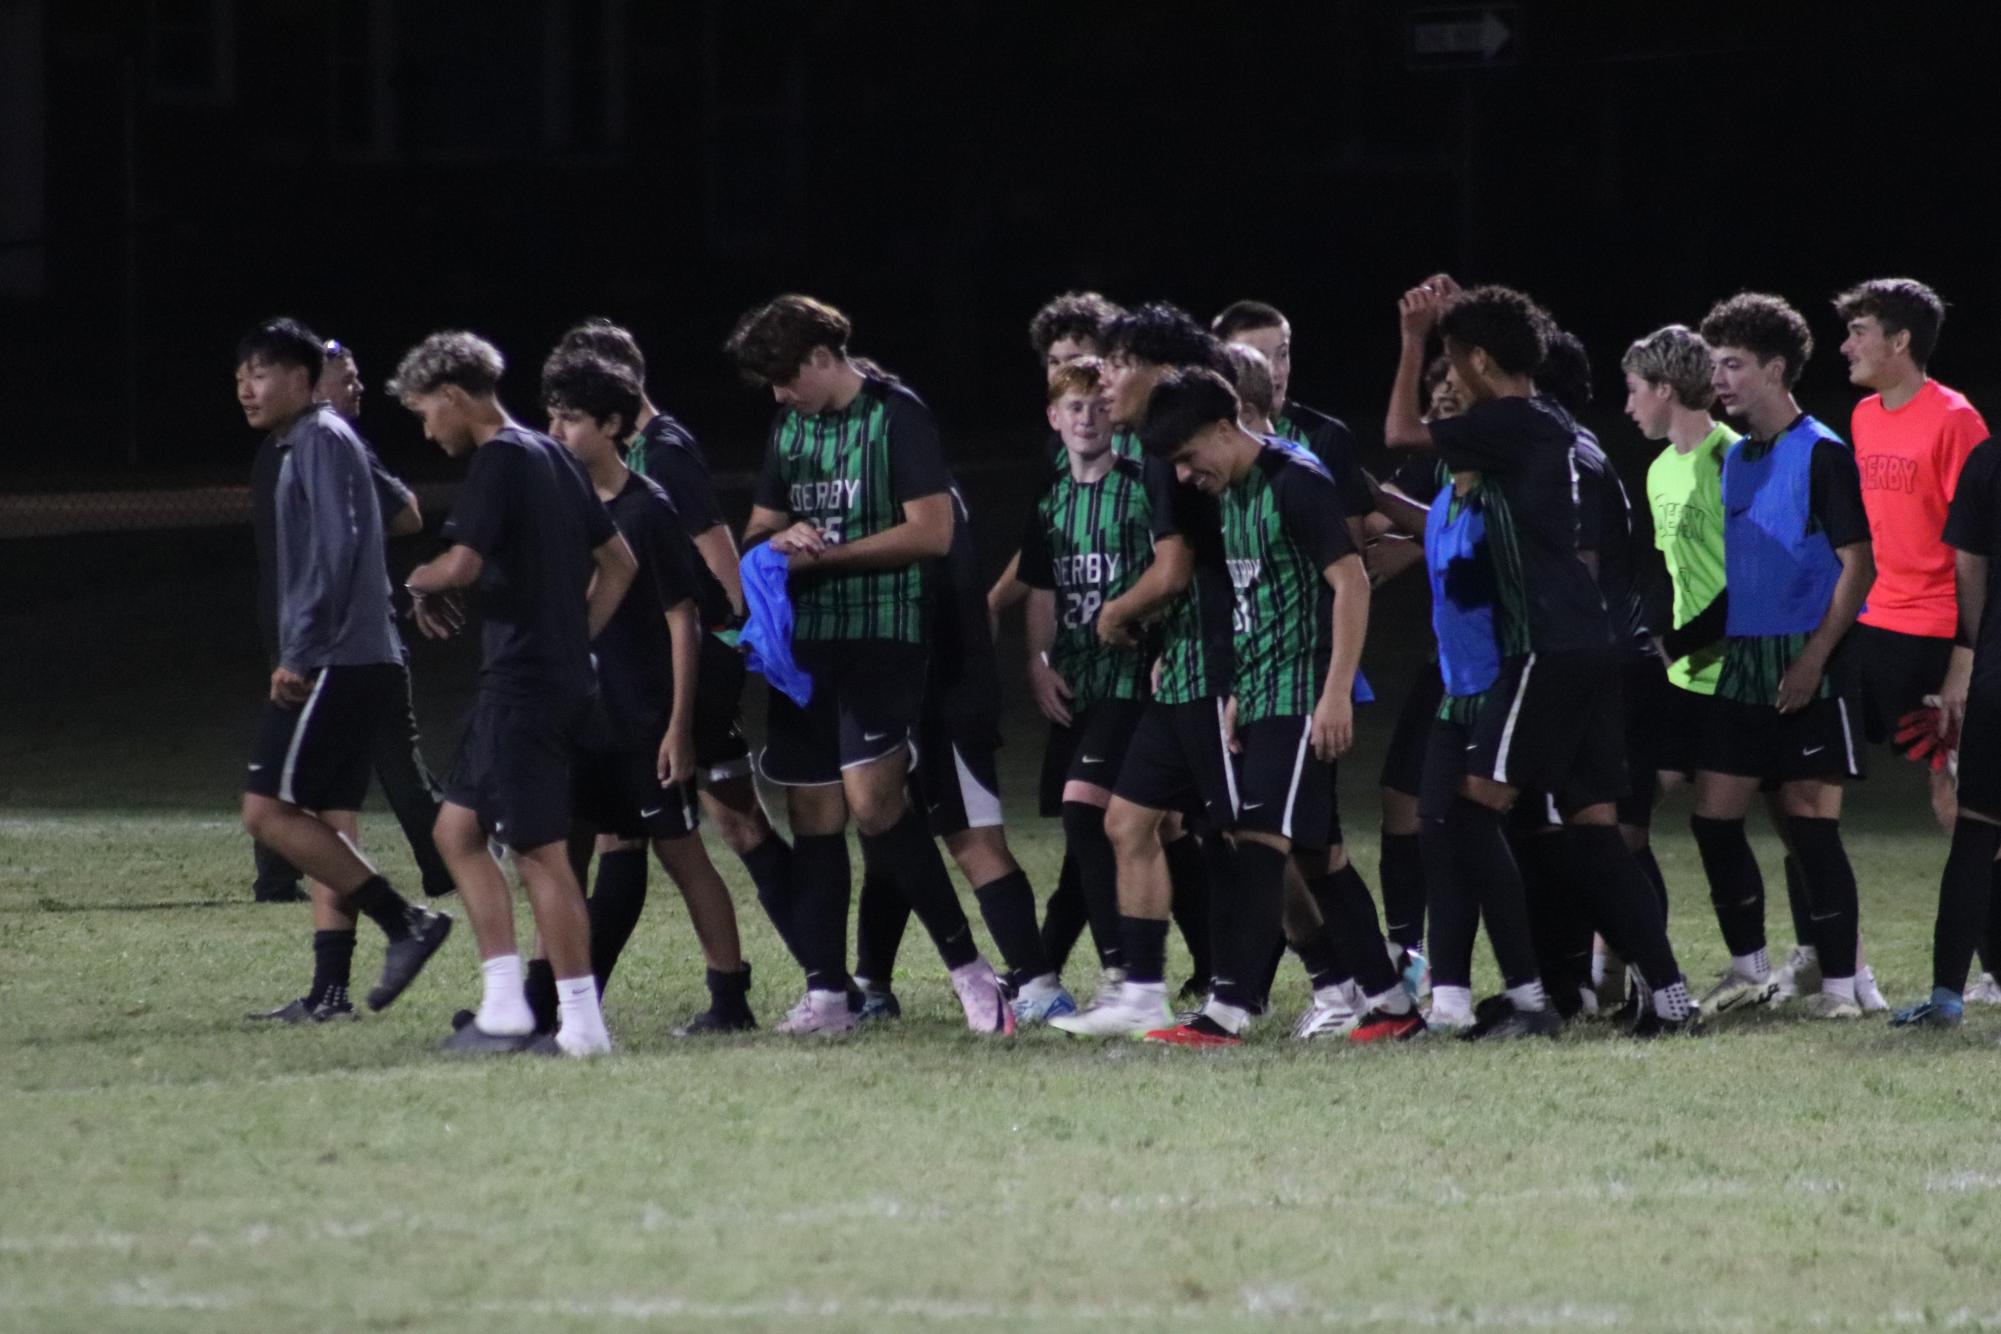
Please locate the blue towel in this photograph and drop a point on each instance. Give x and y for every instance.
(1363, 695)
(766, 637)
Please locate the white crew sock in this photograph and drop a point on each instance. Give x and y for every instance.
(1142, 995)
(1039, 989)
(1529, 996)
(1232, 1019)
(579, 1022)
(1757, 965)
(1452, 1003)
(1841, 987)
(1394, 1001)
(503, 1009)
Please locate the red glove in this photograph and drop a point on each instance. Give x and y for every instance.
(1922, 736)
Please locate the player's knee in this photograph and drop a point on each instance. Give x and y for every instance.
(257, 813)
(1130, 828)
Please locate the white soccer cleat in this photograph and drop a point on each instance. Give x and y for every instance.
(1984, 991)
(1798, 976)
(1734, 991)
(1827, 1005)
(818, 1012)
(983, 998)
(1334, 1013)
(1867, 994)
(1132, 1014)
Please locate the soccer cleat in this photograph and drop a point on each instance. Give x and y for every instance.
(1930, 1013)
(407, 955)
(1201, 1033)
(1516, 1023)
(1334, 1013)
(1120, 1017)
(1042, 1002)
(1651, 1024)
(303, 1011)
(1798, 976)
(1984, 991)
(1826, 1005)
(983, 998)
(819, 1012)
(714, 1021)
(878, 1005)
(1382, 1026)
(472, 1040)
(1110, 984)
(1415, 971)
(282, 894)
(1734, 991)
(579, 1045)
(1867, 994)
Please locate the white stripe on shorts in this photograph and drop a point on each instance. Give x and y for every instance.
(983, 808)
(299, 739)
(1229, 769)
(1847, 736)
(1298, 767)
(1508, 728)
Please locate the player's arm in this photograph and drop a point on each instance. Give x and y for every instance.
(459, 567)
(1417, 315)
(676, 763)
(1334, 716)
(1006, 592)
(1837, 502)
(771, 517)
(408, 521)
(924, 534)
(1051, 691)
(616, 566)
(1971, 569)
(1392, 556)
(1159, 587)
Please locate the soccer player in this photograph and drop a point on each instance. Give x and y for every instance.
(1550, 722)
(531, 536)
(397, 756)
(855, 494)
(667, 701)
(1302, 609)
(1176, 764)
(664, 451)
(1912, 436)
(338, 669)
(1797, 568)
(1969, 900)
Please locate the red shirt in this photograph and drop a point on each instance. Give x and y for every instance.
(1910, 461)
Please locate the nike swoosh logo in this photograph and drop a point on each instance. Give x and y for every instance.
(1813, 750)
(874, 736)
(648, 815)
(1253, 805)
(255, 767)
(1092, 759)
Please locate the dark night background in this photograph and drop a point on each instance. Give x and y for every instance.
(175, 169)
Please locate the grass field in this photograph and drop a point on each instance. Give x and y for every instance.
(166, 1166)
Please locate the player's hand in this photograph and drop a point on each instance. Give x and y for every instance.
(290, 687)
(1952, 693)
(1800, 683)
(1659, 647)
(676, 764)
(1052, 692)
(1230, 726)
(801, 539)
(1153, 678)
(1333, 727)
(1418, 311)
(1115, 627)
(438, 615)
(1444, 284)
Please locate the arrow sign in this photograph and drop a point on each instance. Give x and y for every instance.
(1474, 35)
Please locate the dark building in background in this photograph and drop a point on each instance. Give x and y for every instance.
(172, 169)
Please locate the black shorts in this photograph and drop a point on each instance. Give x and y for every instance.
(1553, 722)
(1820, 741)
(1281, 788)
(1643, 704)
(1179, 760)
(1403, 763)
(1980, 755)
(1896, 672)
(868, 696)
(1677, 740)
(318, 755)
(513, 768)
(1103, 733)
(1056, 756)
(620, 792)
(957, 780)
(721, 753)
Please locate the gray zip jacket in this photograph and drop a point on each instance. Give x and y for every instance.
(333, 576)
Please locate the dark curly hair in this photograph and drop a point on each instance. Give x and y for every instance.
(1763, 325)
(1183, 402)
(1072, 315)
(1900, 305)
(770, 343)
(1565, 373)
(1505, 324)
(1165, 335)
(579, 380)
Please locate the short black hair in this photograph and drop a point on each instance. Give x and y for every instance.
(1163, 334)
(1565, 373)
(1238, 316)
(1505, 324)
(283, 341)
(1072, 315)
(609, 340)
(1763, 325)
(1184, 401)
(1900, 305)
(583, 381)
(771, 342)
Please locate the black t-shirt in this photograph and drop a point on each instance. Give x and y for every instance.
(665, 452)
(1335, 446)
(1970, 526)
(1419, 478)
(1605, 525)
(528, 509)
(964, 679)
(634, 652)
(1546, 601)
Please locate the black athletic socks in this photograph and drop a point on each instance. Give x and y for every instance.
(1799, 900)
(1830, 882)
(538, 984)
(1350, 915)
(1965, 899)
(1188, 875)
(1402, 872)
(383, 906)
(909, 856)
(1621, 902)
(770, 868)
(1008, 907)
(1063, 916)
(1560, 916)
(1220, 859)
(1255, 915)
(1736, 887)
(1454, 914)
(1651, 868)
(1143, 945)
(614, 907)
(333, 965)
(1484, 862)
(1097, 875)
(881, 917)
(820, 889)
(1321, 958)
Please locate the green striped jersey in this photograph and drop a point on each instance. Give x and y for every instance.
(849, 472)
(1196, 649)
(1282, 528)
(1088, 542)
